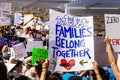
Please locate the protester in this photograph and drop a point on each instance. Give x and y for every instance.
(96, 70)
(31, 73)
(74, 78)
(39, 71)
(29, 36)
(6, 52)
(15, 72)
(44, 70)
(112, 59)
(3, 71)
(55, 76)
(3, 40)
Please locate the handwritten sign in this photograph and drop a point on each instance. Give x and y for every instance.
(34, 44)
(19, 50)
(5, 9)
(71, 44)
(39, 53)
(18, 19)
(5, 21)
(112, 27)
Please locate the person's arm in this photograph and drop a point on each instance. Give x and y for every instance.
(44, 70)
(112, 59)
(95, 68)
(83, 73)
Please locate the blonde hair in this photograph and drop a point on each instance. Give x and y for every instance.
(5, 48)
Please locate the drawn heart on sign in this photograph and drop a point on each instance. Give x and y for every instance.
(67, 65)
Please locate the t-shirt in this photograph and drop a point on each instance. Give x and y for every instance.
(66, 76)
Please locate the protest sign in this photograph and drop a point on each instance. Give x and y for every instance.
(5, 21)
(112, 27)
(12, 52)
(19, 50)
(18, 19)
(5, 9)
(39, 53)
(34, 44)
(71, 43)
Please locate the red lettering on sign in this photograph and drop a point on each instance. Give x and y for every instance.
(115, 41)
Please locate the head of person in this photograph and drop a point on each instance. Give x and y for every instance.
(74, 78)
(55, 76)
(5, 48)
(104, 74)
(22, 77)
(3, 71)
(28, 64)
(18, 66)
(5, 52)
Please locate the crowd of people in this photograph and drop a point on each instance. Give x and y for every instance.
(14, 69)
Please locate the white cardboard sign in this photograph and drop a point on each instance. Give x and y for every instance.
(71, 43)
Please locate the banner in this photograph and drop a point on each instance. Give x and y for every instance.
(19, 50)
(71, 43)
(112, 27)
(39, 53)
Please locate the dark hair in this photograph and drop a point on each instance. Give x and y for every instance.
(38, 67)
(3, 71)
(17, 64)
(103, 73)
(22, 77)
(74, 78)
(55, 76)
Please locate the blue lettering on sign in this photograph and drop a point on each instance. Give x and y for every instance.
(70, 34)
(71, 53)
(63, 43)
(73, 32)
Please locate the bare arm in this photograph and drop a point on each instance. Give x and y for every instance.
(44, 70)
(95, 68)
(83, 73)
(112, 59)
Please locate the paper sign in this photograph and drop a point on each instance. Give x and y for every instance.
(19, 50)
(34, 44)
(39, 53)
(71, 43)
(112, 27)
(5, 21)
(18, 19)
(5, 9)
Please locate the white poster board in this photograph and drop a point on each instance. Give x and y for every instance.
(20, 51)
(5, 21)
(20, 32)
(33, 44)
(112, 27)
(71, 43)
(18, 19)
(6, 9)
